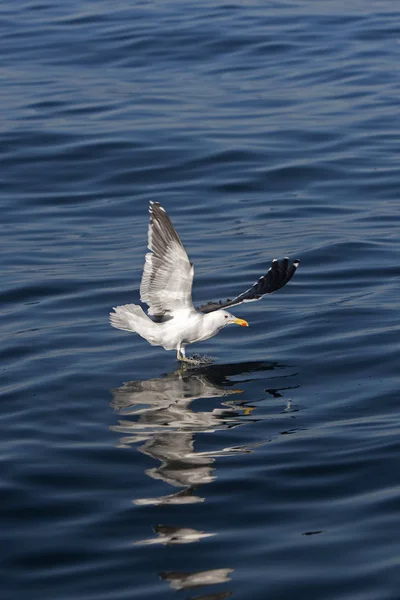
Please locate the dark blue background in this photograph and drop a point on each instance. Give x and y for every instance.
(266, 129)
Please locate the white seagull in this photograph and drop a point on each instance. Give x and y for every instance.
(166, 288)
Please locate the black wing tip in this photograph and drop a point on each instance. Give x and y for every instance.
(159, 216)
(153, 205)
(285, 262)
(277, 276)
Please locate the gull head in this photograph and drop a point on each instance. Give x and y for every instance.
(221, 318)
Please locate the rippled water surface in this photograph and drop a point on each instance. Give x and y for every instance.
(266, 129)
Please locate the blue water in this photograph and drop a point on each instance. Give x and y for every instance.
(265, 129)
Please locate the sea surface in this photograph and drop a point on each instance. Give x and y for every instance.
(266, 129)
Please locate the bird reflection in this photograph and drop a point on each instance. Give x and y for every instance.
(183, 581)
(157, 415)
(163, 422)
(175, 535)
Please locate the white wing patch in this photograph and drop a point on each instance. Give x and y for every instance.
(168, 274)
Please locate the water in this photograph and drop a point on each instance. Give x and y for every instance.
(265, 129)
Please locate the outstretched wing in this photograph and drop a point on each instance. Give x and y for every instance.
(279, 273)
(167, 274)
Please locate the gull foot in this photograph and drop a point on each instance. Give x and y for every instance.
(188, 361)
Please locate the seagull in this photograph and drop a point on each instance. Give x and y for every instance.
(172, 321)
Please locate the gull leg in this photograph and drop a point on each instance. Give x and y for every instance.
(181, 356)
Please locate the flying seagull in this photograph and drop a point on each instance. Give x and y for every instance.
(166, 288)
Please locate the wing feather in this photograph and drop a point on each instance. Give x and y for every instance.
(279, 273)
(167, 274)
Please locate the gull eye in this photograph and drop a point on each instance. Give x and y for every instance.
(226, 316)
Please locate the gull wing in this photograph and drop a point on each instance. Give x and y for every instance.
(279, 273)
(167, 274)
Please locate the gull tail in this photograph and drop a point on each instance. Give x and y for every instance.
(131, 317)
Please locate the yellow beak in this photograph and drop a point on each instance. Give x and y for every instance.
(241, 322)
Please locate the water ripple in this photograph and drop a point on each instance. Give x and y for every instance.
(266, 130)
